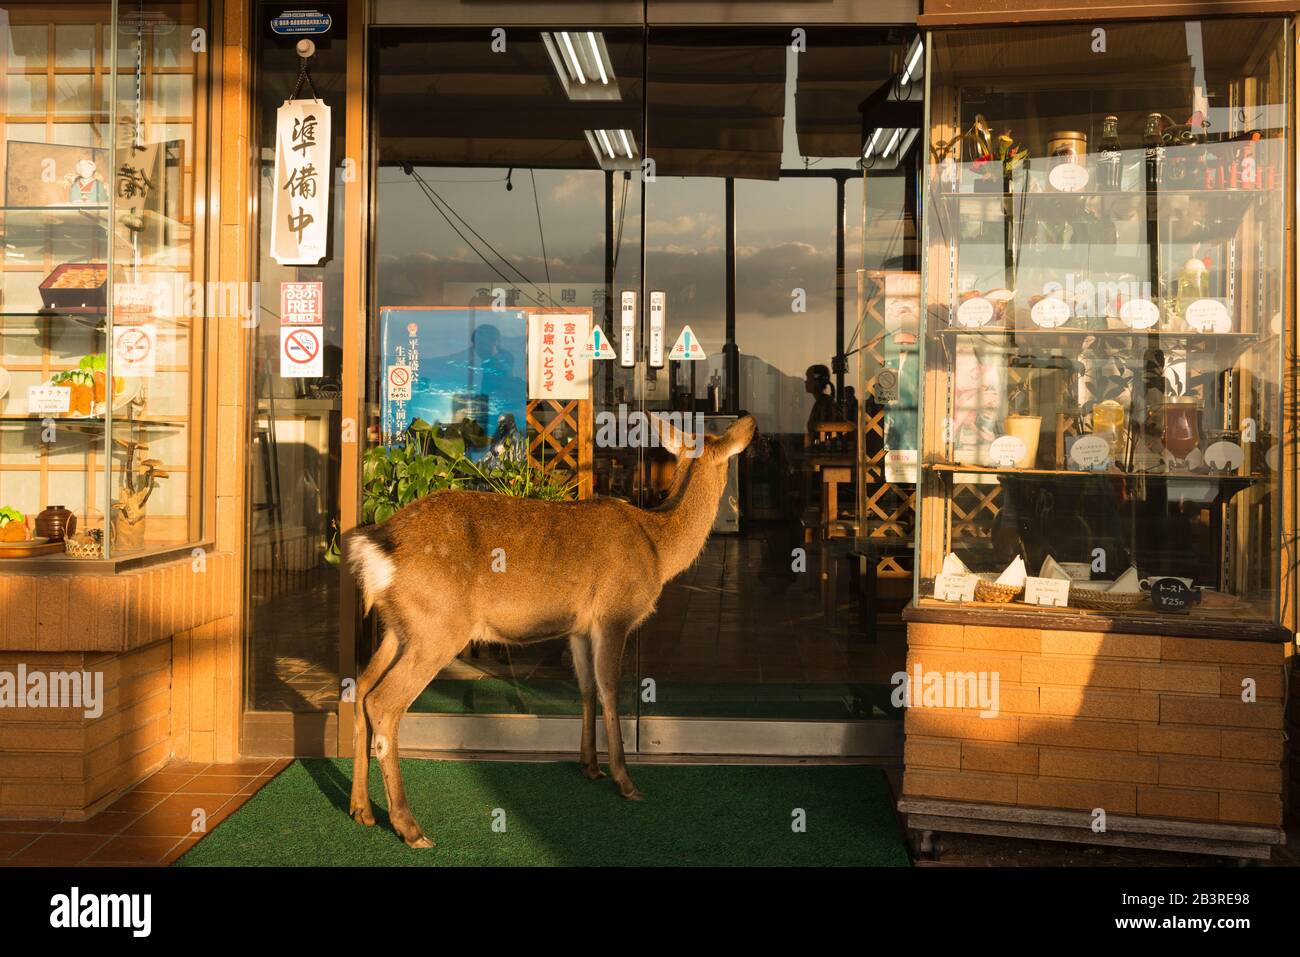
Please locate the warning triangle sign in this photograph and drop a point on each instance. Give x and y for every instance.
(597, 346)
(687, 347)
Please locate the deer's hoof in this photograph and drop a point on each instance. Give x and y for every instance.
(592, 772)
(363, 815)
(419, 841)
(633, 794)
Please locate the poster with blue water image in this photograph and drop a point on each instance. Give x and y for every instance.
(464, 362)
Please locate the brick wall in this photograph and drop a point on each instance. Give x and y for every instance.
(162, 637)
(1135, 724)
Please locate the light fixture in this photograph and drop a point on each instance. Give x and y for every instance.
(893, 141)
(913, 61)
(614, 149)
(582, 63)
(872, 143)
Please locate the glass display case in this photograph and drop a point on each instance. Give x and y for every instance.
(1105, 285)
(102, 307)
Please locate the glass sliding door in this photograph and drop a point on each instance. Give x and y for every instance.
(508, 203)
(754, 234)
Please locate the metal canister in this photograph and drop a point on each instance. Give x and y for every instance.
(1068, 146)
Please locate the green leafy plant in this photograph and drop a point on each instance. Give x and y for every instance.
(431, 458)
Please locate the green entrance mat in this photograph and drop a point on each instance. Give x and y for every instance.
(693, 815)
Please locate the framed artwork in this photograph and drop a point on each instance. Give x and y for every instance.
(52, 174)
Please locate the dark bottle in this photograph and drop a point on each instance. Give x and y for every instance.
(1110, 162)
(1155, 151)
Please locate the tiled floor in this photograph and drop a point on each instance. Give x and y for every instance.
(151, 825)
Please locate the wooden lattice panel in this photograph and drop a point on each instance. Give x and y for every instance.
(559, 437)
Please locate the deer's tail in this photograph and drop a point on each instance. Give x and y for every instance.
(370, 556)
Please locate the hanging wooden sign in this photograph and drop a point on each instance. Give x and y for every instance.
(301, 206)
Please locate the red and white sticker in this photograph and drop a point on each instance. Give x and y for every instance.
(302, 303)
(135, 350)
(302, 352)
(399, 383)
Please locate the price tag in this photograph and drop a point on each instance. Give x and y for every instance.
(1090, 452)
(1224, 456)
(1054, 592)
(48, 399)
(1139, 313)
(1005, 451)
(1050, 312)
(1208, 315)
(1068, 177)
(973, 313)
(955, 587)
(1172, 595)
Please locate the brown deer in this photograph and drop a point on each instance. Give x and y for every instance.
(461, 567)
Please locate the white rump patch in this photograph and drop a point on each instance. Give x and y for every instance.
(374, 568)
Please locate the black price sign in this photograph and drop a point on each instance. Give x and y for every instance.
(1173, 595)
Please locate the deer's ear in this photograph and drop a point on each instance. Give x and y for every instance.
(737, 437)
(670, 437)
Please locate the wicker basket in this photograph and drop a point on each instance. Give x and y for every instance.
(993, 592)
(83, 548)
(1107, 600)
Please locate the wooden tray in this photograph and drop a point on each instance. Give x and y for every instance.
(31, 551)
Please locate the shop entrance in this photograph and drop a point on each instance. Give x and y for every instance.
(697, 195)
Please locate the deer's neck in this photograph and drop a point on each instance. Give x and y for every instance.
(680, 527)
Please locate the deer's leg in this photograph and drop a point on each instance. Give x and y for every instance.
(607, 642)
(580, 647)
(359, 806)
(400, 685)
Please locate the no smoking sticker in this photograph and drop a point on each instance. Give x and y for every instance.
(301, 353)
(399, 383)
(135, 350)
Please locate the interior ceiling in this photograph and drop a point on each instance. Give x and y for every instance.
(716, 108)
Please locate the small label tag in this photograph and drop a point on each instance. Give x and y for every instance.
(955, 587)
(1139, 313)
(1047, 591)
(1050, 312)
(1068, 177)
(1005, 451)
(974, 313)
(1090, 452)
(48, 399)
(1208, 315)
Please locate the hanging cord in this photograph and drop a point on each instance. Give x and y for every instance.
(303, 74)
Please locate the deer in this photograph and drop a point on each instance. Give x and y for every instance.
(461, 567)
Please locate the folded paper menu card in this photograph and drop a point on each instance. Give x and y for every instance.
(952, 565)
(1051, 568)
(1128, 582)
(1014, 574)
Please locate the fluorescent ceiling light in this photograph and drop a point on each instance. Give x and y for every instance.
(871, 143)
(582, 63)
(614, 149)
(913, 61)
(893, 141)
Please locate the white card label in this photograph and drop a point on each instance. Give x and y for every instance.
(1048, 591)
(399, 383)
(1224, 456)
(974, 313)
(627, 329)
(135, 350)
(1005, 451)
(955, 587)
(1068, 177)
(1050, 312)
(1139, 313)
(658, 322)
(1090, 452)
(48, 399)
(1208, 315)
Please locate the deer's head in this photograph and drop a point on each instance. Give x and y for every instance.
(706, 463)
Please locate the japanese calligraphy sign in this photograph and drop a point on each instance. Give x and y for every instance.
(300, 211)
(556, 369)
